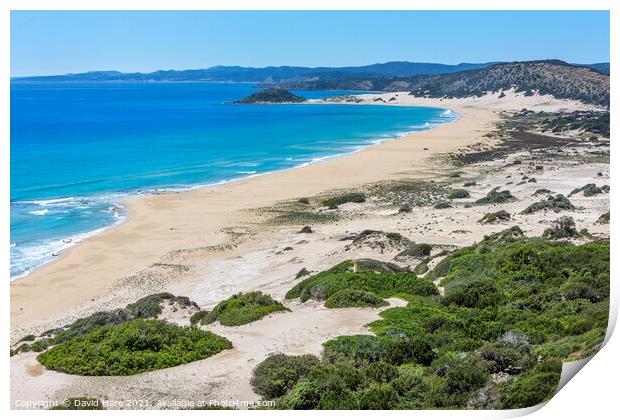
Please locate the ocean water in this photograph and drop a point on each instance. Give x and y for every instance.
(79, 148)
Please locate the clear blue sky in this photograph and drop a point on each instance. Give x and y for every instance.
(58, 42)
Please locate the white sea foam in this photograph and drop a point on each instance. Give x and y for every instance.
(39, 212)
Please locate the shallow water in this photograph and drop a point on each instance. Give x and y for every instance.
(78, 148)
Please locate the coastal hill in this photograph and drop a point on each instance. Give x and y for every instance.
(553, 77)
(271, 96)
(275, 74)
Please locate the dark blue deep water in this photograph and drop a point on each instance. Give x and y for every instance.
(78, 148)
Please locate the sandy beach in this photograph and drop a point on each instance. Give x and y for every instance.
(210, 243)
(159, 224)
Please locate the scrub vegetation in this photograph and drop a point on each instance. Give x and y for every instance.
(513, 309)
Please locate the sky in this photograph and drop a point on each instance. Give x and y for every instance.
(59, 42)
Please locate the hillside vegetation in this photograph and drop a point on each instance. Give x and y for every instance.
(271, 96)
(553, 77)
(514, 308)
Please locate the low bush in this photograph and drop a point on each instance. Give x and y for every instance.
(422, 267)
(588, 190)
(197, 317)
(541, 191)
(150, 306)
(277, 374)
(132, 347)
(454, 194)
(417, 251)
(495, 196)
(405, 208)
(495, 217)
(356, 197)
(243, 308)
(442, 205)
(531, 388)
(352, 298)
(323, 285)
(513, 307)
(348, 266)
(564, 227)
(556, 203)
(604, 218)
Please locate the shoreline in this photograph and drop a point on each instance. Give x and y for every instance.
(81, 237)
(156, 225)
(267, 255)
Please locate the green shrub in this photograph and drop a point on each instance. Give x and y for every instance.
(422, 267)
(277, 374)
(510, 300)
(545, 191)
(132, 347)
(442, 205)
(556, 203)
(510, 357)
(496, 197)
(495, 217)
(304, 396)
(322, 286)
(417, 251)
(370, 348)
(532, 388)
(458, 193)
(604, 218)
(466, 376)
(475, 295)
(352, 298)
(356, 197)
(197, 317)
(150, 306)
(588, 190)
(243, 308)
(147, 307)
(378, 397)
(564, 227)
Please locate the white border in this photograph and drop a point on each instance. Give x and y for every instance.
(593, 394)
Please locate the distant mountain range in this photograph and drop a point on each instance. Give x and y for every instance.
(281, 74)
(553, 77)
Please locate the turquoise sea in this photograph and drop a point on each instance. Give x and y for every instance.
(79, 148)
